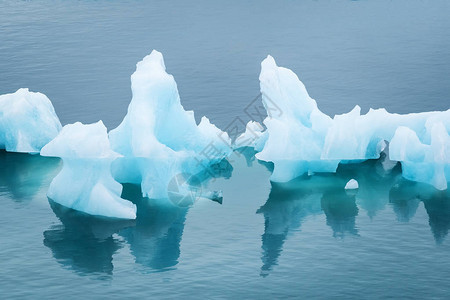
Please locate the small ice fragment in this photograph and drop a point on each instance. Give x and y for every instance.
(352, 184)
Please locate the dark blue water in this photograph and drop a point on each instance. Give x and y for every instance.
(308, 238)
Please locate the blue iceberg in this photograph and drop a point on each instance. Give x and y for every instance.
(158, 139)
(301, 139)
(160, 147)
(85, 182)
(421, 161)
(27, 121)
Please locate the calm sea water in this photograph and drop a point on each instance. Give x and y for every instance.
(307, 238)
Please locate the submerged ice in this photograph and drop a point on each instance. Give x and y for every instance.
(27, 121)
(301, 139)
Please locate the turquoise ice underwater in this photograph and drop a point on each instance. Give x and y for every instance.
(306, 238)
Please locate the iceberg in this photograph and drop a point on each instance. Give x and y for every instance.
(429, 163)
(85, 182)
(296, 136)
(157, 138)
(27, 121)
(365, 136)
(301, 139)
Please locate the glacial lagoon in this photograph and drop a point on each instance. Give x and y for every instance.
(305, 238)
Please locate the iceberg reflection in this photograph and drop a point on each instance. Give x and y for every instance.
(438, 209)
(406, 197)
(283, 212)
(87, 243)
(155, 240)
(341, 210)
(84, 243)
(23, 175)
(404, 200)
(289, 204)
(375, 178)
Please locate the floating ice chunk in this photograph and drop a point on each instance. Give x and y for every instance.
(27, 121)
(80, 141)
(352, 184)
(157, 137)
(429, 163)
(85, 182)
(251, 136)
(301, 139)
(296, 128)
